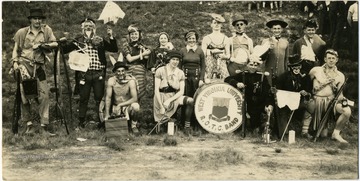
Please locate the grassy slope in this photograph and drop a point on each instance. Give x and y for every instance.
(173, 17)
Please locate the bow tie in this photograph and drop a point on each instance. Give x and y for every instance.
(240, 33)
(277, 37)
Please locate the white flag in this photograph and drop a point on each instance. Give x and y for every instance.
(291, 99)
(111, 12)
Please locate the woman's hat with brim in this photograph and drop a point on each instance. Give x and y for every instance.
(218, 18)
(36, 13)
(239, 18)
(273, 22)
(294, 60)
(119, 65)
(173, 53)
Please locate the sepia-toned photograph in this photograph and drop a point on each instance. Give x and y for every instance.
(180, 90)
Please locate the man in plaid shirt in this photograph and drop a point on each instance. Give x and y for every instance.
(94, 77)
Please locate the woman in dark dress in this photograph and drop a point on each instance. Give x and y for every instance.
(136, 55)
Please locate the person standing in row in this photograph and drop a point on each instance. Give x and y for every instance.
(241, 46)
(158, 55)
(353, 20)
(32, 43)
(310, 47)
(279, 49)
(94, 78)
(216, 47)
(193, 65)
(136, 56)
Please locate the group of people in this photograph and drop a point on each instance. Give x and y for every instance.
(179, 72)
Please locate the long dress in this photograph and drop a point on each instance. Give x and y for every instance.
(215, 67)
(177, 75)
(137, 67)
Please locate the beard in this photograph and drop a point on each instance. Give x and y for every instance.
(89, 33)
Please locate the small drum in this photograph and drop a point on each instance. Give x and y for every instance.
(219, 107)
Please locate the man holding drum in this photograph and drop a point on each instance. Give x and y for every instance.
(257, 93)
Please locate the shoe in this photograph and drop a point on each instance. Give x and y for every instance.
(30, 129)
(338, 138)
(44, 131)
(187, 131)
(307, 136)
(324, 133)
(135, 131)
(101, 126)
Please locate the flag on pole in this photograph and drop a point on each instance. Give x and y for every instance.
(291, 99)
(111, 12)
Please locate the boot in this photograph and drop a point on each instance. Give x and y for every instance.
(45, 131)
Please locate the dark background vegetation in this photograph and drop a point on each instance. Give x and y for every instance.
(174, 17)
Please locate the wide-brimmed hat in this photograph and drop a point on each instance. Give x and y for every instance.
(36, 13)
(311, 23)
(218, 18)
(294, 60)
(273, 22)
(120, 64)
(238, 18)
(173, 53)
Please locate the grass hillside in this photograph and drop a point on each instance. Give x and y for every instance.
(175, 18)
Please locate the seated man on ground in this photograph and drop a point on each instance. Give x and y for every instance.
(121, 93)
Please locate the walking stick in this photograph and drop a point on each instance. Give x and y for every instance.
(162, 121)
(292, 113)
(324, 119)
(17, 104)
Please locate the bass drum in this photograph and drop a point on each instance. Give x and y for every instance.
(219, 107)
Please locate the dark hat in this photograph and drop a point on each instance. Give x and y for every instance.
(173, 53)
(88, 19)
(294, 60)
(311, 23)
(36, 13)
(273, 22)
(238, 18)
(120, 64)
(218, 18)
(110, 23)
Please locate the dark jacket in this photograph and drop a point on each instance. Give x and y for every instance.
(288, 82)
(257, 92)
(106, 45)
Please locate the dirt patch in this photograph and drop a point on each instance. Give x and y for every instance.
(195, 158)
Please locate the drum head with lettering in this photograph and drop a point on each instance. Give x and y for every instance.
(218, 108)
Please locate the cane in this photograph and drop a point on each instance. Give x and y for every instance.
(292, 113)
(160, 122)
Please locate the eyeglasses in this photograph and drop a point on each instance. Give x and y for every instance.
(253, 64)
(240, 24)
